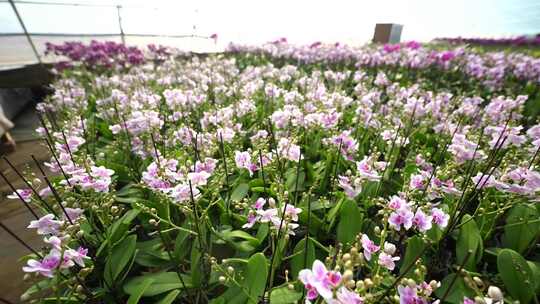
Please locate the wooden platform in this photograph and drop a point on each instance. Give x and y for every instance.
(16, 216)
(13, 213)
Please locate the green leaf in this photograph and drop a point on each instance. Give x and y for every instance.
(121, 226)
(292, 182)
(517, 276)
(255, 277)
(240, 240)
(63, 300)
(332, 215)
(350, 222)
(118, 230)
(325, 177)
(150, 257)
(196, 276)
(122, 255)
(179, 248)
(299, 261)
(239, 234)
(161, 282)
(170, 297)
(37, 288)
(262, 232)
(519, 232)
(129, 190)
(240, 192)
(469, 239)
(415, 246)
(135, 297)
(535, 268)
(458, 291)
(284, 295)
(233, 295)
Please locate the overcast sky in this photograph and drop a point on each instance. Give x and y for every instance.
(252, 21)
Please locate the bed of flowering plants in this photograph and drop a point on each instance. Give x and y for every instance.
(287, 174)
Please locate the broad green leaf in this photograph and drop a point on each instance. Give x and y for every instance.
(233, 295)
(129, 190)
(239, 234)
(240, 240)
(179, 248)
(415, 246)
(161, 282)
(118, 230)
(121, 226)
(458, 291)
(326, 173)
(149, 258)
(62, 300)
(135, 297)
(122, 255)
(262, 232)
(169, 298)
(257, 182)
(292, 180)
(255, 277)
(240, 192)
(37, 288)
(284, 295)
(517, 276)
(469, 239)
(350, 222)
(519, 232)
(535, 268)
(315, 223)
(195, 258)
(332, 215)
(300, 260)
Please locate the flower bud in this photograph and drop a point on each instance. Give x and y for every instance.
(222, 279)
(368, 283)
(389, 248)
(347, 275)
(495, 293)
(479, 300)
(478, 281)
(80, 289)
